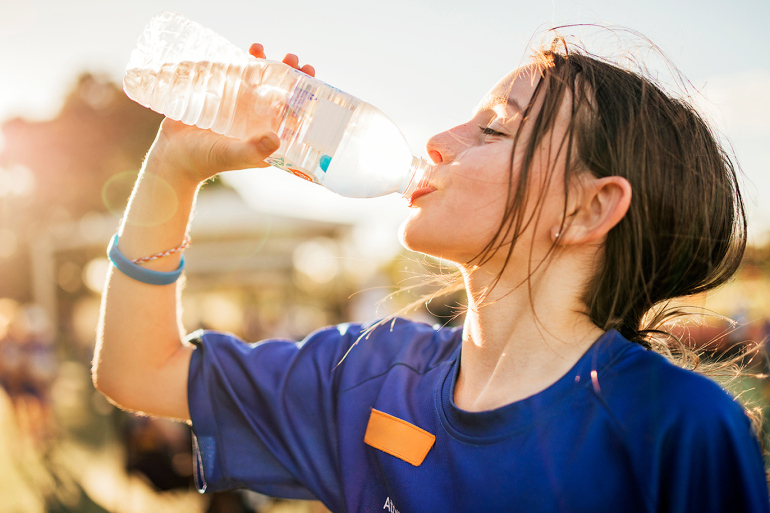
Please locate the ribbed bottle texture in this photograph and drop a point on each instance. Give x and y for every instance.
(189, 73)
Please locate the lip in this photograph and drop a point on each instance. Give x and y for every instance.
(420, 192)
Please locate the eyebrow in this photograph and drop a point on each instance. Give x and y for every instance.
(491, 103)
(513, 103)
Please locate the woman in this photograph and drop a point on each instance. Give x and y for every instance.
(576, 198)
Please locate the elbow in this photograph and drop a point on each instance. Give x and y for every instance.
(112, 370)
(101, 381)
(109, 378)
(109, 384)
(100, 372)
(154, 387)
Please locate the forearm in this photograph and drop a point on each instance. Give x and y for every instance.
(140, 335)
(140, 360)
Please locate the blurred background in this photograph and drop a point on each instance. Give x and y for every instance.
(271, 254)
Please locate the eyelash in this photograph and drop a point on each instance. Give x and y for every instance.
(488, 131)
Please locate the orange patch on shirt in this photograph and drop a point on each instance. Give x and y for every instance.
(398, 437)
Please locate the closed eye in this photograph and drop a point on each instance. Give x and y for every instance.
(488, 131)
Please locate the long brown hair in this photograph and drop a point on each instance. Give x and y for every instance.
(685, 230)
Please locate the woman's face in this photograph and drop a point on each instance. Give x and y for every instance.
(468, 193)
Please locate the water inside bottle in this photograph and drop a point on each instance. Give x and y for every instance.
(327, 136)
(190, 92)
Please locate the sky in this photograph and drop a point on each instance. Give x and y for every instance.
(425, 63)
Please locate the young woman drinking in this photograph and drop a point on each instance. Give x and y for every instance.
(577, 197)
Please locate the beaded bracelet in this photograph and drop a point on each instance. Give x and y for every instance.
(139, 273)
(185, 243)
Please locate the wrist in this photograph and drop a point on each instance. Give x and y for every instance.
(161, 202)
(161, 163)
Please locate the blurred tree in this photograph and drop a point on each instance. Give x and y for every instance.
(97, 134)
(83, 160)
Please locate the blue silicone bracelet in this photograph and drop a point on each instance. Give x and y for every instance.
(138, 272)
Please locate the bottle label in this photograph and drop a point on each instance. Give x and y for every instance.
(324, 120)
(281, 162)
(328, 126)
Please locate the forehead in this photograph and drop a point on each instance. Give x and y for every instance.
(512, 92)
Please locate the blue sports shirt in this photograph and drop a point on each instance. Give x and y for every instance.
(623, 431)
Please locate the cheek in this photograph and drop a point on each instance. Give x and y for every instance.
(481, 188)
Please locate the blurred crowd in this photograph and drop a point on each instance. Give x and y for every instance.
(65, 449)
(28, 366)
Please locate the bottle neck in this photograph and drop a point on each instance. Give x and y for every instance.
(419, 176)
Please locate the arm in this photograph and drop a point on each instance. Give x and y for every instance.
(140, 361)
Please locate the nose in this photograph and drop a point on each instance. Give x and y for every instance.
(444, 147)
(435, 156)
(434, 148)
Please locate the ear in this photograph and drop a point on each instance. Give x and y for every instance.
(600, 204)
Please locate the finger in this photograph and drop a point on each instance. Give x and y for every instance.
(257, 50)
(292, 60)
(308, 70)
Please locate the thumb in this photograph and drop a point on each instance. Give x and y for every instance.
(257, 148)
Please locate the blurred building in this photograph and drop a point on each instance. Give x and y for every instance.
(250, 273)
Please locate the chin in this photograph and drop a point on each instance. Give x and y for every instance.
(405, 235)
(423, 233)
(425, 240)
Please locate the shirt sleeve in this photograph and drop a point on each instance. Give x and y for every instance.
(714, 463)
(263, 415)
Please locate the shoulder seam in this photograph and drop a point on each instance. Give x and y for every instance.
(386, 371)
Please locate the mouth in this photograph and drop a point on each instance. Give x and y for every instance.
(420, 192)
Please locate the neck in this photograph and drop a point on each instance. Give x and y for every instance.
(520, 336)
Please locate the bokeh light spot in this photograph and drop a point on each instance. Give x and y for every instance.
(222, 312)
(16, 180)
(317, 259)
(116, 191)
(95, 274)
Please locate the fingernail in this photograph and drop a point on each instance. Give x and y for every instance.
(267, 145)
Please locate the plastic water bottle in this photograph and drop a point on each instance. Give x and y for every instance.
(189, 73)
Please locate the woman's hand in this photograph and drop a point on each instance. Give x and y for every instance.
(194, 155)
